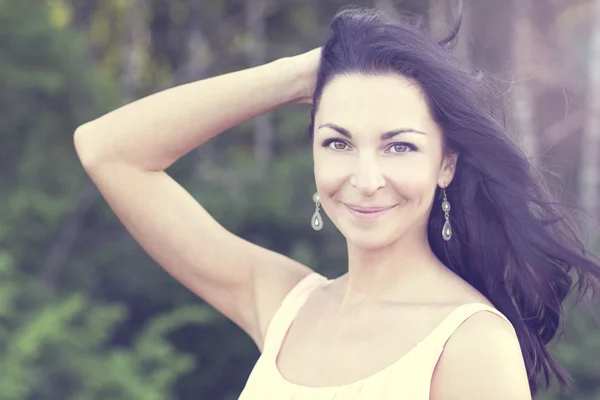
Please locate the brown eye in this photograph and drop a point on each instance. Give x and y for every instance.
(336, 144)
(339, 145)
(401, 148)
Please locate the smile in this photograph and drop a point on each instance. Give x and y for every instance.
(368, 213)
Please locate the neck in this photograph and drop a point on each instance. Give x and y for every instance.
(398, 272)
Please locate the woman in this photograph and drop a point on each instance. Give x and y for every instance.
(443, 217)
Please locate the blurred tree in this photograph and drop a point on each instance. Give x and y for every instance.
(522, 97)
(589, 178)
(54, 340)
(255, 11)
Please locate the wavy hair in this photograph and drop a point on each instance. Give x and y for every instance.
(512, 239)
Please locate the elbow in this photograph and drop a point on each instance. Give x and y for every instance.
(85, 146)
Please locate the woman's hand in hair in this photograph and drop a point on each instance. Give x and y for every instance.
(307, 65)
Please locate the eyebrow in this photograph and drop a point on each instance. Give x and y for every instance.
(384, 136)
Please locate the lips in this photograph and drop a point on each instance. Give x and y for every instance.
(368, 213)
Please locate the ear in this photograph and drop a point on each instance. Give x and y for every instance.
(447, 169)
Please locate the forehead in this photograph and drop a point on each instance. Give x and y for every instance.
(368, 103)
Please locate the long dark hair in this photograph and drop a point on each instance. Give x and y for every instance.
(512, 240)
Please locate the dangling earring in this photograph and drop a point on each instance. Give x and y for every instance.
(447, 229)
(316, 221)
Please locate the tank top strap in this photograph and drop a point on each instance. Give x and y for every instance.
(440, 335)
(287, 311)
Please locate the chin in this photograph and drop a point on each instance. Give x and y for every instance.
(374, 239)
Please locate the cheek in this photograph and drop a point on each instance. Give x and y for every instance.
(331, 172)
(413, 176)
(415, 183)
(412, 172)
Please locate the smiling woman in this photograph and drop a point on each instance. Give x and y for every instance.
(505, 238)
(373, 159)
(459, 260)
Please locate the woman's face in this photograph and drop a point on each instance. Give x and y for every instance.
(377, 150)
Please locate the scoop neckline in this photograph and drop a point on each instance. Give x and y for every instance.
(374, 376)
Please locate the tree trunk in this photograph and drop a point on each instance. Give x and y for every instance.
(463, 46)
(522, 99)
(135, 44)
(442, 20)
(438, 18)
(198, 61)
(385, 5)
(590, 156)
(257, 55)
(490, 29)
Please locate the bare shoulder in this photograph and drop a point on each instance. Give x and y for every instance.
(481, 360)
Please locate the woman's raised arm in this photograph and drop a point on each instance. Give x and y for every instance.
(126, 151)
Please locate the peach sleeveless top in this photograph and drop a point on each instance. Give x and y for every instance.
(407, 378)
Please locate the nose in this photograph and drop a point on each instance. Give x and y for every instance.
(367, 177)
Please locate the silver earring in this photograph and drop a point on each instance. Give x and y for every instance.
(316, 221)
(447, 229)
